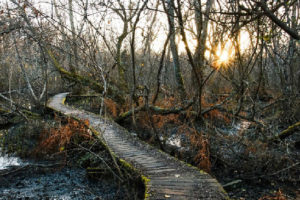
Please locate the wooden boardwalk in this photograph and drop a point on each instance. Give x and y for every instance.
(167, 177)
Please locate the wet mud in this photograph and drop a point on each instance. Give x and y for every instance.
(44, 182)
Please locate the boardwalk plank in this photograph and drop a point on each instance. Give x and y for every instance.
(169, 178)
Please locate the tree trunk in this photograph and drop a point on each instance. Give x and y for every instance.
(73, 42)
(173, 47)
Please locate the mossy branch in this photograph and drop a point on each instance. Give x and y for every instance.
(16, 108)
(4, 111)
(86, 81)
(287, 132)
(155, 110)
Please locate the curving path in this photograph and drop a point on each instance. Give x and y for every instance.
(167, 177)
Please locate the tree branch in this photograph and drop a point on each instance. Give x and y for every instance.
(113, 93)
(155, 109)
(277, 21)
(287, 132)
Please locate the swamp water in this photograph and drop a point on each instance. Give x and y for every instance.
(7, 161)
(20, 179)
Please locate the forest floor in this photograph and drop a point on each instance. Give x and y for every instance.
(244, 164)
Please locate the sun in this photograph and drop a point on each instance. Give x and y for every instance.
(224, 54)
(224, 57)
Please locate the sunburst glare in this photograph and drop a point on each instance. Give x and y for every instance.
(224, 55)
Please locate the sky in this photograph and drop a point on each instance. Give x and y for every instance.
(111, 25)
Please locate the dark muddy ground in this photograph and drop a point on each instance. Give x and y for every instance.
(59, 176)
(36, 181)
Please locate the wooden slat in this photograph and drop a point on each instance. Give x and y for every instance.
(169, 178)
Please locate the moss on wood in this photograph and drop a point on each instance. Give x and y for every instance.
(146, 180)
(86, 81)
(287, 132)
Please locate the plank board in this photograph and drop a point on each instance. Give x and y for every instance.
(169, 178)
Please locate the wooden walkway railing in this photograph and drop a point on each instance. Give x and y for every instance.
(167, 178)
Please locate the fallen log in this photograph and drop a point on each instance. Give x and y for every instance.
(112, 92)
(167, 111)
(155, 110)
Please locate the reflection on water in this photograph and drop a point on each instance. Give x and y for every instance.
(6, 161)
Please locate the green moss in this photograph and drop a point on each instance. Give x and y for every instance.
(96, 133)
(86, 81)
(63, 100)
(3, 110)
(223, 191)
(123, 115)
(32, 115)
(146, 180)
(199, 170)
(127, 165)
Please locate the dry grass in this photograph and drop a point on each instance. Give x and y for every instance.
(55, 139)
(215, 115)
(278, 196)
(200, 145)
(111, 107)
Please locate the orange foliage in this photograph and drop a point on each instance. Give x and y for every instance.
(111, 106)
(214, 114)
(201, 145)
(160, 120)
(141, 100)
(143, 120)
(243, 114)
(199, 142)
(55, 139)
(279, 196)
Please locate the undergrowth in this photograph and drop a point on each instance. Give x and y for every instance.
(200, 146)
(74, 141)
(245, 155)
(55, 139)
(278, 196)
